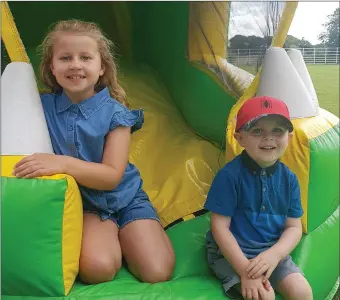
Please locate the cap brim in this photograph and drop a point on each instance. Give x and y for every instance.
(252, 122)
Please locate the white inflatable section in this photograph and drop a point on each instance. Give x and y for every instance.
(300, 66)
(23, 125)
(279, 79)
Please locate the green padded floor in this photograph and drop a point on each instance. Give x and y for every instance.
(192, 279)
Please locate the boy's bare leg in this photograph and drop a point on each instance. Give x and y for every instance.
(295, 287)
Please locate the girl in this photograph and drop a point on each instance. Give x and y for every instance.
(90, 128)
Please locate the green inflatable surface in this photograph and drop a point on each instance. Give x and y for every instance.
(192, 278)
(26, 215)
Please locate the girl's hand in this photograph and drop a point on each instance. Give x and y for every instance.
(263, 264)
(40, 164)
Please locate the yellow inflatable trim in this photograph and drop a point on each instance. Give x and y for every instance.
(72, 233)
(72, 220)
(10, 35)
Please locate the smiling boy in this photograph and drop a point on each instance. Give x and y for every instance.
(256, 209)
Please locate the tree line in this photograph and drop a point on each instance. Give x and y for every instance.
(255, 42)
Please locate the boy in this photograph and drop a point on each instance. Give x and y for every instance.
(255, 209)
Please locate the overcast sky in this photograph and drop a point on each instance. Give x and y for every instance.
(308, 19)
(247, 18)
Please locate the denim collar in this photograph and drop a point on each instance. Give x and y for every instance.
(87, 106)
(255, 168)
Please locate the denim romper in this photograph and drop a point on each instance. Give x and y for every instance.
(79, 130)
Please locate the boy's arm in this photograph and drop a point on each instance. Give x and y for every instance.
(267, 261)
(222, 202)
(232, 252)
(228, 244)
(289, 238)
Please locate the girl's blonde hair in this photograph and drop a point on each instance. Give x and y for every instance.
(109, 78)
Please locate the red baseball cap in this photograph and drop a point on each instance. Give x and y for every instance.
(258, 107)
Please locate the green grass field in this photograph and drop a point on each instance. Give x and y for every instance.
(326, 83)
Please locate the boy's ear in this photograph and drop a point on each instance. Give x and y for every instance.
(239, 138)
(290, 136)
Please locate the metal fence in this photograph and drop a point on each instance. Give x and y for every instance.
(242, 57)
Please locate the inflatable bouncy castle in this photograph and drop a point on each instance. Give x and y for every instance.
(173, 60)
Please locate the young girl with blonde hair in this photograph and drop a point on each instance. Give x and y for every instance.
(90, 127)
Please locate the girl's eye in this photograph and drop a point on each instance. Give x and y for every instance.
(85, 58)
(64, 58)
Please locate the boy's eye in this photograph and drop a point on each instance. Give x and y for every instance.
(278, 130)
(256, 131)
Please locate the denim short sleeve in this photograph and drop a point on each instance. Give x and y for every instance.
(222, 196)
(128, 118)
(295, 209)
(47, 100)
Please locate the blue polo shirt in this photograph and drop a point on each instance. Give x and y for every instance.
(257, 200)
(79, 130)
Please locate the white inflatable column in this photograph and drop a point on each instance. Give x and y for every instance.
(300, 66)
(280, 79)
(23, 125)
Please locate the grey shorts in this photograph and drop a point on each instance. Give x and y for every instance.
(229, 278)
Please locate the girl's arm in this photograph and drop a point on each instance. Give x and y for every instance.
(101, 176)
(108, 174)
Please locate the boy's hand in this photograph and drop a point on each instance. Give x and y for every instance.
(267, 285)
(39, 164)
(265, 262)
(253, 289)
